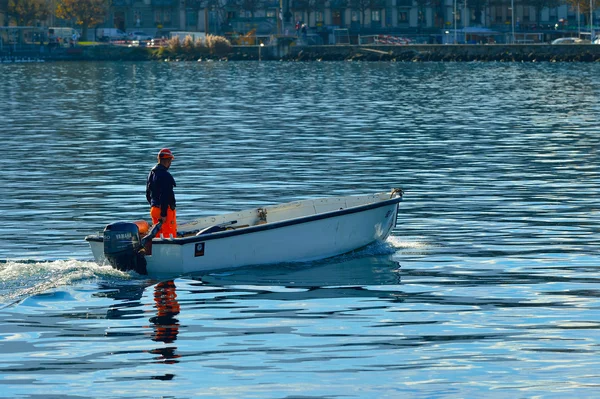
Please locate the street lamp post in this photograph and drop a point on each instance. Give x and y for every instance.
(591, 21)
(455, 21)
(215, 16)
(206, 21)
(578, 21)
(280, 18)
(512, 18)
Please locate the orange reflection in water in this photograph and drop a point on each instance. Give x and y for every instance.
(165, 325)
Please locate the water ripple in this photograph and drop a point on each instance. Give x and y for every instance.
(487, 286)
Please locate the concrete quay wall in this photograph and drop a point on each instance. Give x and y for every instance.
(415, 53)
(286, 52)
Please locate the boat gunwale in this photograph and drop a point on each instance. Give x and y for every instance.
(266, 226)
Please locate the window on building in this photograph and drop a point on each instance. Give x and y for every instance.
(355, 16)
(336, 17)
(498, 14)
(526, 15)
(162, 17)
(271, 13)
(319, 16)
(404, 3)
(403, 17)
(191, 17)
(119, 19)
(376, 15)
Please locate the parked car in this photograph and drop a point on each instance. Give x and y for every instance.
(139, 36)
(108, 34)
(157, 42)
(137, 43)
(65, 34)
(570, 40)
(163, 34)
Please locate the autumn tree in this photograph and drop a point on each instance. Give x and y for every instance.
(583, 6)
(85, 12)
(27, 12)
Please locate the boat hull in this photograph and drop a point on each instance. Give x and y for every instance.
(301, 239)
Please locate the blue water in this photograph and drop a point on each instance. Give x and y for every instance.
(488, 286)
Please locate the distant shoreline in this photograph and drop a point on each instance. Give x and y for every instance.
(407, 53)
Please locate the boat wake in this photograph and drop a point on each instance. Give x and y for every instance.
(398, 243)
(21, 279)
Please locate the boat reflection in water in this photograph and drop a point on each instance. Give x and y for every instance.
(366, 275)
(165, 324)
(351, 276)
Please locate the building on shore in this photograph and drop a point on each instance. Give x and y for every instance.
(405, 17)
(439, 19)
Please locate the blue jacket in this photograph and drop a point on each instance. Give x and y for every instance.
(159, 189)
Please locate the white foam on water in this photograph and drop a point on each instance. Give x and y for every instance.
(20, 279)
(399, 243)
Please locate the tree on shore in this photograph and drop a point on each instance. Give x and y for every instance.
(27, 12)
(583, 6)
(85, 12)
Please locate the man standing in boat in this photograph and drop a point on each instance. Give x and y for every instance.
(160, 195)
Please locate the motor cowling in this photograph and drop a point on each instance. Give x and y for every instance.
(123, 248)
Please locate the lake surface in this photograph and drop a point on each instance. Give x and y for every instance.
(488, 286)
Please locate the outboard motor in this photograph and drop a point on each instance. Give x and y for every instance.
(123, 248)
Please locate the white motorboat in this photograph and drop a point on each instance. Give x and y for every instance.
(298, 231)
